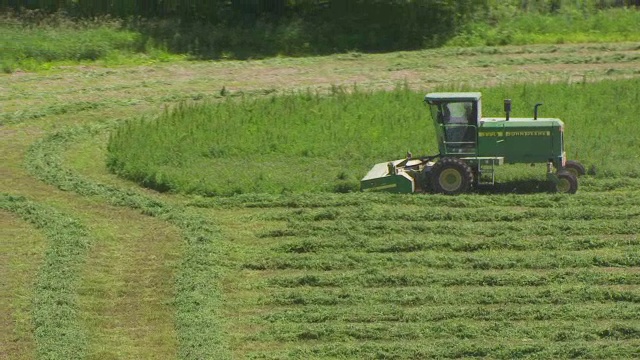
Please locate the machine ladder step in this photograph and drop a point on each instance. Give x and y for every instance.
(486, 175)
(486, 168)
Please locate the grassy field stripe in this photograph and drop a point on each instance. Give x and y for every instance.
(401, 243)
(549, 330)
(447, 278)
(391, 213)
(58, 330)
(128, 285)
(22, 248)
(428, 313)
(198, 296)
(483, 260)
(463, 295)
(464, 229)
(283, 206)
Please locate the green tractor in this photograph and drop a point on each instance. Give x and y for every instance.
(471, 147)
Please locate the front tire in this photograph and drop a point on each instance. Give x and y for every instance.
(451, 176)
(567, 183)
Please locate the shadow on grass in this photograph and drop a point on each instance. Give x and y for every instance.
(516, 187)
(295, 36)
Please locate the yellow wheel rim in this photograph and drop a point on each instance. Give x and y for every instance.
(450, 180)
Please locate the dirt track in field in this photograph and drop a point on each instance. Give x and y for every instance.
(65, 92)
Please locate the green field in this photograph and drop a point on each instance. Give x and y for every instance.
(95, 266)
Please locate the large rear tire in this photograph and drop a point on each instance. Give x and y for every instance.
(451, 176)
(575, 167)
(567, 183)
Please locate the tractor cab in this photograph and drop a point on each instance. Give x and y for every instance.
(456, 117)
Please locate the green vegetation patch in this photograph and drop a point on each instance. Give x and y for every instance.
(309, 142)
(571, 25)
(56, 39)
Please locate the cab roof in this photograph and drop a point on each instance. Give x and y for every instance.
(452, 96)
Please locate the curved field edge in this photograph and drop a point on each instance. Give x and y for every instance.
(198, 297)
(308, 142)
(58, 330)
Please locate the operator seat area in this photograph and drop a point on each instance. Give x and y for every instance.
(459, 120)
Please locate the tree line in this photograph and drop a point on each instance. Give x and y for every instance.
(250, 28)
(220, 10)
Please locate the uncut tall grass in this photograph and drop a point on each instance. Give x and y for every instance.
(56, 39)
(308, 142)
(570, 25)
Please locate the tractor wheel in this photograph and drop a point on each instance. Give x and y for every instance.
(575, 168)
(567, 184)
(451, 176)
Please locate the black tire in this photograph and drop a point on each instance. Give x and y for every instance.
(575, 168)
(451, 176)
(567, 184)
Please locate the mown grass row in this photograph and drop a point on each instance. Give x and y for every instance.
(52, 110)
(197, 303)
(385, 313)
(602, 192)
(400, 243)
(425, 276)
(513, 229)
(58, 328)
(498, 259)
(593, 211)
(307, 298)
(540, 330)
(309, 142)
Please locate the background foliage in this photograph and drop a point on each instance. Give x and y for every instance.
(258, 28)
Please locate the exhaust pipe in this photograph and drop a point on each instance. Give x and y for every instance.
(507, 107)
(535, 111)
